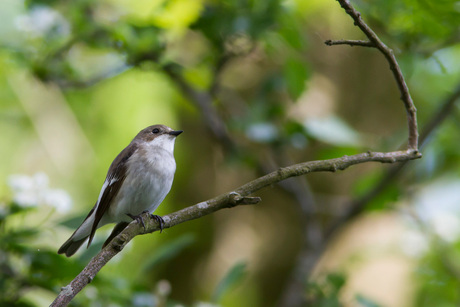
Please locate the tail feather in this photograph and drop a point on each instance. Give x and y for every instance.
(71, 246)
(82, 233)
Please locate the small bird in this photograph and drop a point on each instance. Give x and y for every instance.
(138, 180)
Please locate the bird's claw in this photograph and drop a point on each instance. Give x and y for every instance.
(139, 220)
(160, 221)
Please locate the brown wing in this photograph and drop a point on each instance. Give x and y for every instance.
(116, 175)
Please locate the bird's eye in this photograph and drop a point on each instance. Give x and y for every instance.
(156, 130)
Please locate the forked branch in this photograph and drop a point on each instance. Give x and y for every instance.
(375, 42)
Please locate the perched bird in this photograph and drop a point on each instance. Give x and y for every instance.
(138, 180)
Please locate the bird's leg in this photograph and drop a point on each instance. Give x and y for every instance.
(157, 218)
(160, 221)
(138, 218)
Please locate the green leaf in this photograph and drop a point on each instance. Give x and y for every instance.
(92, 250)
(333, 130)
(379, 202)
(73, 222)
(336, 280)
(14, 240)
(337, 152)
(291, 31)
(168, 251)
(296, 73)
(234, 275)
(47, 268)
(365, 302)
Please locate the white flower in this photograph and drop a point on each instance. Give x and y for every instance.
(31, 191)
(437, 206)
(163, 288)
(144, 299)
(414, 243)
(58, 199)
(42, 20)
(262, 132)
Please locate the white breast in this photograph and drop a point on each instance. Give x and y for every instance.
(149, 178)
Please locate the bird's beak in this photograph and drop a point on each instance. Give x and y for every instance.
(176, 132)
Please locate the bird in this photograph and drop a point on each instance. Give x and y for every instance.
(137, 181)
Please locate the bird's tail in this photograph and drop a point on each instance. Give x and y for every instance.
(71, 246)
(77, 239)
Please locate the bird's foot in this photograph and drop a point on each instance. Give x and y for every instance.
(139, 220)
(160, 221)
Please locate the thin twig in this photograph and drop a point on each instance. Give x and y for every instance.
(350, 42)
(411, 111)
(204, 102)
(79, 84)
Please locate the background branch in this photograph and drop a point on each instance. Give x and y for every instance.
(292, 296)
(359, 205)
(203, 101)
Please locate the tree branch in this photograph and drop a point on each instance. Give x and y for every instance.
(357, 206)
(292, 296)
(204, 102)
(411, 111)
(349, 42)
(234, 198)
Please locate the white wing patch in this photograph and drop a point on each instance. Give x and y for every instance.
(104, 187)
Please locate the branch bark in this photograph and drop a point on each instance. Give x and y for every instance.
(375, 41)
(231, 199)
(307, 259)
(359, 205)
(349, 42)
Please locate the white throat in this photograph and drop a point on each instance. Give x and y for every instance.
(165, 142)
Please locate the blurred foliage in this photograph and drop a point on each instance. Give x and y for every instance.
(26, 270)
(78, 79)
(232, 279)
(325, 291)
(417, 24)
